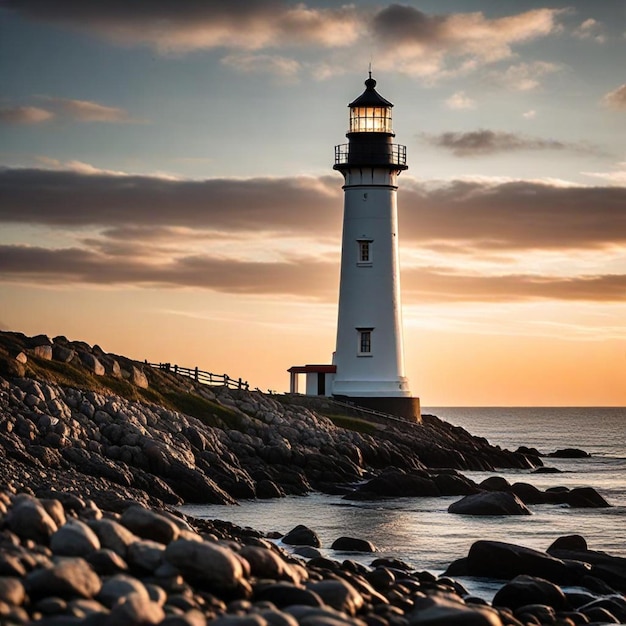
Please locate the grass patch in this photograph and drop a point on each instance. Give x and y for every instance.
(353, 423)
(208, 412)
(61, 373)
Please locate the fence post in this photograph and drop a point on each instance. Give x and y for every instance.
(196, 373)
(175, 369)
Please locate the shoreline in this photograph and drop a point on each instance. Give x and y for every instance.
(97, 451)
(65, 560)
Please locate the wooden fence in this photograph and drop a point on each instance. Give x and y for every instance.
(202, 377)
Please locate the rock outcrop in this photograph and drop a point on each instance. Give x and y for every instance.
(121, 429)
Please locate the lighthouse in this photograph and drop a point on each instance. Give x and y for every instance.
(368, 362)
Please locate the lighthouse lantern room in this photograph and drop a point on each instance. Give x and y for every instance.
(368, 360)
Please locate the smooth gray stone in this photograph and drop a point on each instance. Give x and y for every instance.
(74, 538)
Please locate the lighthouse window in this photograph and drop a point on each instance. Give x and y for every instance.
(370, 120)
(365, 342)
(364, 252)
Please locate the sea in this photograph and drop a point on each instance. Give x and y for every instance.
(422, 533)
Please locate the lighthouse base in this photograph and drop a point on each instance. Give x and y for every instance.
(402, 407)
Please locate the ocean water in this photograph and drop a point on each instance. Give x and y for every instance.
(422, 533)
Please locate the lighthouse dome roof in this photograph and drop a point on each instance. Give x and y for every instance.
(370, 97)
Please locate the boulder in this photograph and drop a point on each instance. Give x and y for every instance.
(105, 562)
(91, 363)
(145, 555)
(457, 614)
(149, 525)
(74, 538)
(134, 610)
(62, 353)
(536, 614)
(113, 535)
(42, 352)
(12, 590)
(490, 503)
(28, 519)
(454, 485)
(137, 377)
(339, 594)
(585, 497)
(117, 587)
(395, 484)
(265, 563)
(495, 483)
(353, 544)
(497, 559)
(568, 542)
(308, 552)
(68, 578)
(569, 453)
(302, 536)
(284, 594)
(267, 489)
(192, 557)
(524, 590)
(616, 605)
(528, 494)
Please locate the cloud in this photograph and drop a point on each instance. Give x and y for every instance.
(263, 64)
(189, 25)
(590, 29)
(524, 76)
(616, 99)
(80, 198)
(491, 215)
(485, 142)
(515, 215)
(615, 177)
(428, 45)
(460, 100)
(431, 285)
(529, 115)
(24, 115)
(145, 231)
(89, 111)
(303, 277)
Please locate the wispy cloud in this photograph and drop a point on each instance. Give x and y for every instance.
(89, 111)
(280, 66)
(65, 108)
(24, 115)
(616, 99)
(524, 76)
(430, 45)
(590, 29)
(460, 100)
(406, 39)
(186, 26)
(486, 142)
(617, 176)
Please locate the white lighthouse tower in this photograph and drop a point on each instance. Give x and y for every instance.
(368, 363)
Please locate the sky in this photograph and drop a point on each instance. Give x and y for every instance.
(167, 191)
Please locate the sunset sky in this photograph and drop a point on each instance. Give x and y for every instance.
(166, 185)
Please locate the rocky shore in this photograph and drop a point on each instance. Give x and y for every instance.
(72, 416)
(64, 561)
(97, 451)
